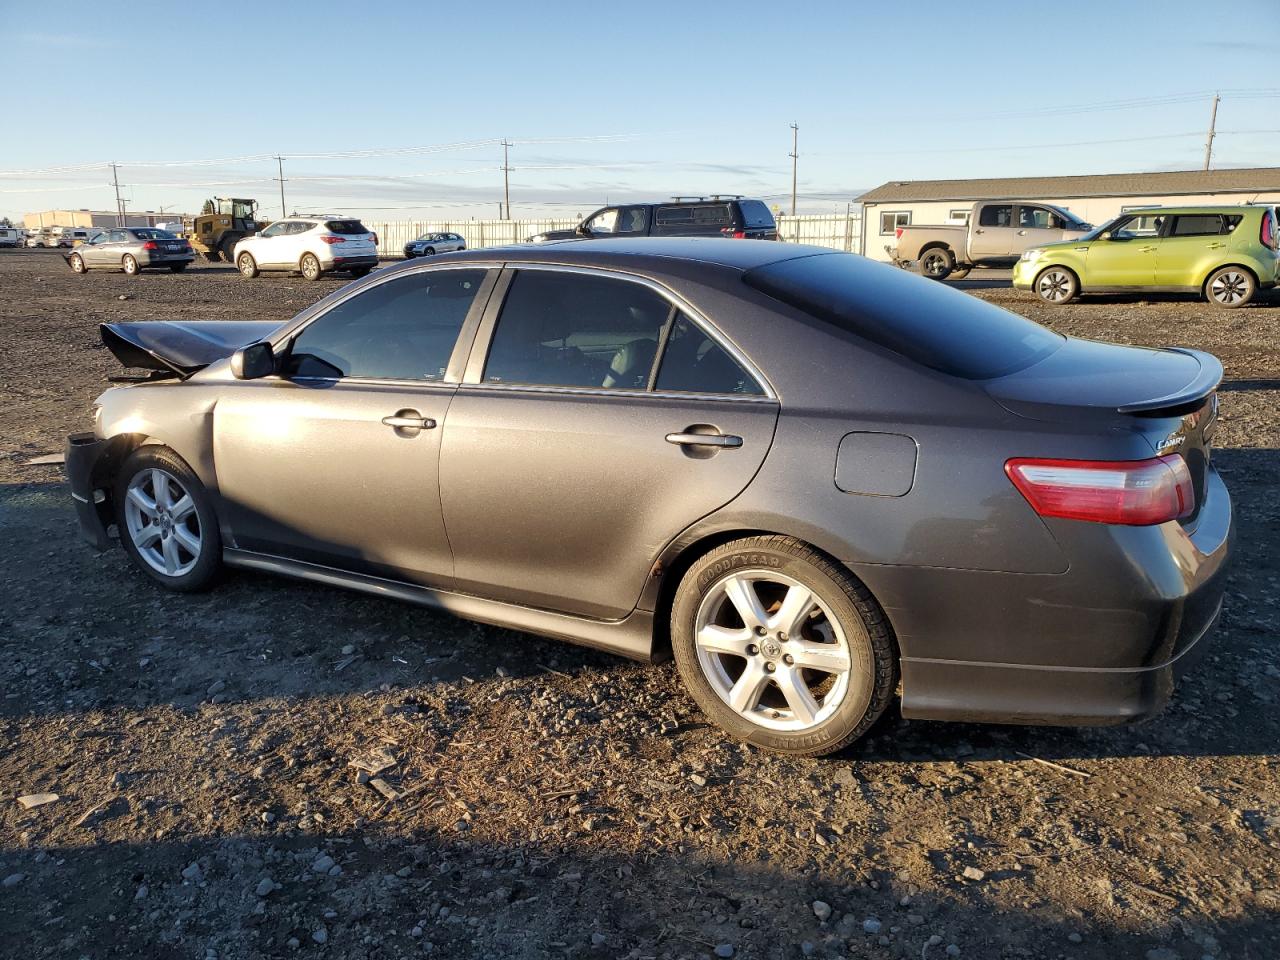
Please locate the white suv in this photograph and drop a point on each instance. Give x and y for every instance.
(313, 245)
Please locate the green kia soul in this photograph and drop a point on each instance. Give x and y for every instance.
(1226, 254)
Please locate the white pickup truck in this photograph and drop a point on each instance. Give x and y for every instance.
(997, 233)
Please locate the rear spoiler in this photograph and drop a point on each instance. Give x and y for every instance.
(1188, 397)
(180, 347)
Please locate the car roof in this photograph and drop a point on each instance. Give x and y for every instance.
(738, 254)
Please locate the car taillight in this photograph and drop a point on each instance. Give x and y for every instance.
(1268, 235)
(1130, 492)
(733, 234)
(151, 245)
(330, 238)
(374, 238)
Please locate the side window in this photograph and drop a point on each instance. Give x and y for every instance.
(117, 236)
(996, 215)
(404, 329)
(633, 219)
(1141, 226)
(606, 221)
(299, 227)
(279, 228)
(1200, 225)
(694, 363)
(571, 330)
(1038, 218)
(891, 220)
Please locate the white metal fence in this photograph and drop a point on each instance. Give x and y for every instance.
(834, 231)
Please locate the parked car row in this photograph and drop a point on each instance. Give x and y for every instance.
(1224, 253)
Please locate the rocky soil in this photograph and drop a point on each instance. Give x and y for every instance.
(277, 769)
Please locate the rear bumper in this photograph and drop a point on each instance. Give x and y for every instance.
(86, 455)
(168, 259)
(1101, 643)
(346, 263)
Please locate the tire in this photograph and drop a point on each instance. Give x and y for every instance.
(77, 263)
(429, 252)
(936, 263)
(959, 273)
(720, 659)
(130, 265)
(1056, 285)
(177, 267)
(174, 541)
(1230, 287)
(227, 248)
(310, 266)
(247, 266)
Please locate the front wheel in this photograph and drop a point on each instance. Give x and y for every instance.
(1230, 287)
(429, 252)
(310, 266)
(782, 647)
(1057, 285)
(166, 520)
(130, 266)
(248, 266)
(77, 263)
(937, 263)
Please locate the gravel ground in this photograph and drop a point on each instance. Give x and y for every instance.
(554, 802)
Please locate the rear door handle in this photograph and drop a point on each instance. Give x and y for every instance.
(704, 439)
(409, 423)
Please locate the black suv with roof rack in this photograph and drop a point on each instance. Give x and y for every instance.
(715, 216)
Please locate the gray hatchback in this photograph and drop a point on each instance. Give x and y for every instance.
(814, 479)
(131, 249)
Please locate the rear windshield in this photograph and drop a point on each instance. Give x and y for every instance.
(919, 319)
(755, 215)
(346, 227)
(147, 233)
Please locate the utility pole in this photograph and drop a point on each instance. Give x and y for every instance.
(794, 155)
(1213, 123)
(280, 176)
(506, 177)
(115, 182)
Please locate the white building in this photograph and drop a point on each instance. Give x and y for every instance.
(1094, 199)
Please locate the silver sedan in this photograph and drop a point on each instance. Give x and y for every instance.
(429, 244)
(131, 249)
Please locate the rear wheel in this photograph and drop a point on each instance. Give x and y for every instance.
(310, 266)
(247, 266)
(166, 520)
(1057, 285)
(227, 248)
(130, 265)
(1230, 287)
(937, 263)
(77, 263)
(781, 647)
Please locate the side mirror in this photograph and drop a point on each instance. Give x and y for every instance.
(253, 362)
(583, 230)
(1105, 235)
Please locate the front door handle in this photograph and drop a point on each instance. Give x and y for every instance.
(403, 421)
(704, 439)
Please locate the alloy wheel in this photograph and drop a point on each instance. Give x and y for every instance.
(1229, 287)
(770, 649)
(1054, 286)
(934, 264)
(162, 522)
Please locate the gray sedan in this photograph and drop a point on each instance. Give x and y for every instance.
(131, 249)
(817, 481)
(429, 244)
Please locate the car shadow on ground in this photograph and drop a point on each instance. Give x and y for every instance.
(401, 888)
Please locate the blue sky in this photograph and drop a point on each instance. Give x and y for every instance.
(608, 101)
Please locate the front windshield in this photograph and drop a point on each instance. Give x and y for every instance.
(427, 236)
(1073, 222)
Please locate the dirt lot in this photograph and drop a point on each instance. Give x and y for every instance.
(561, 803)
